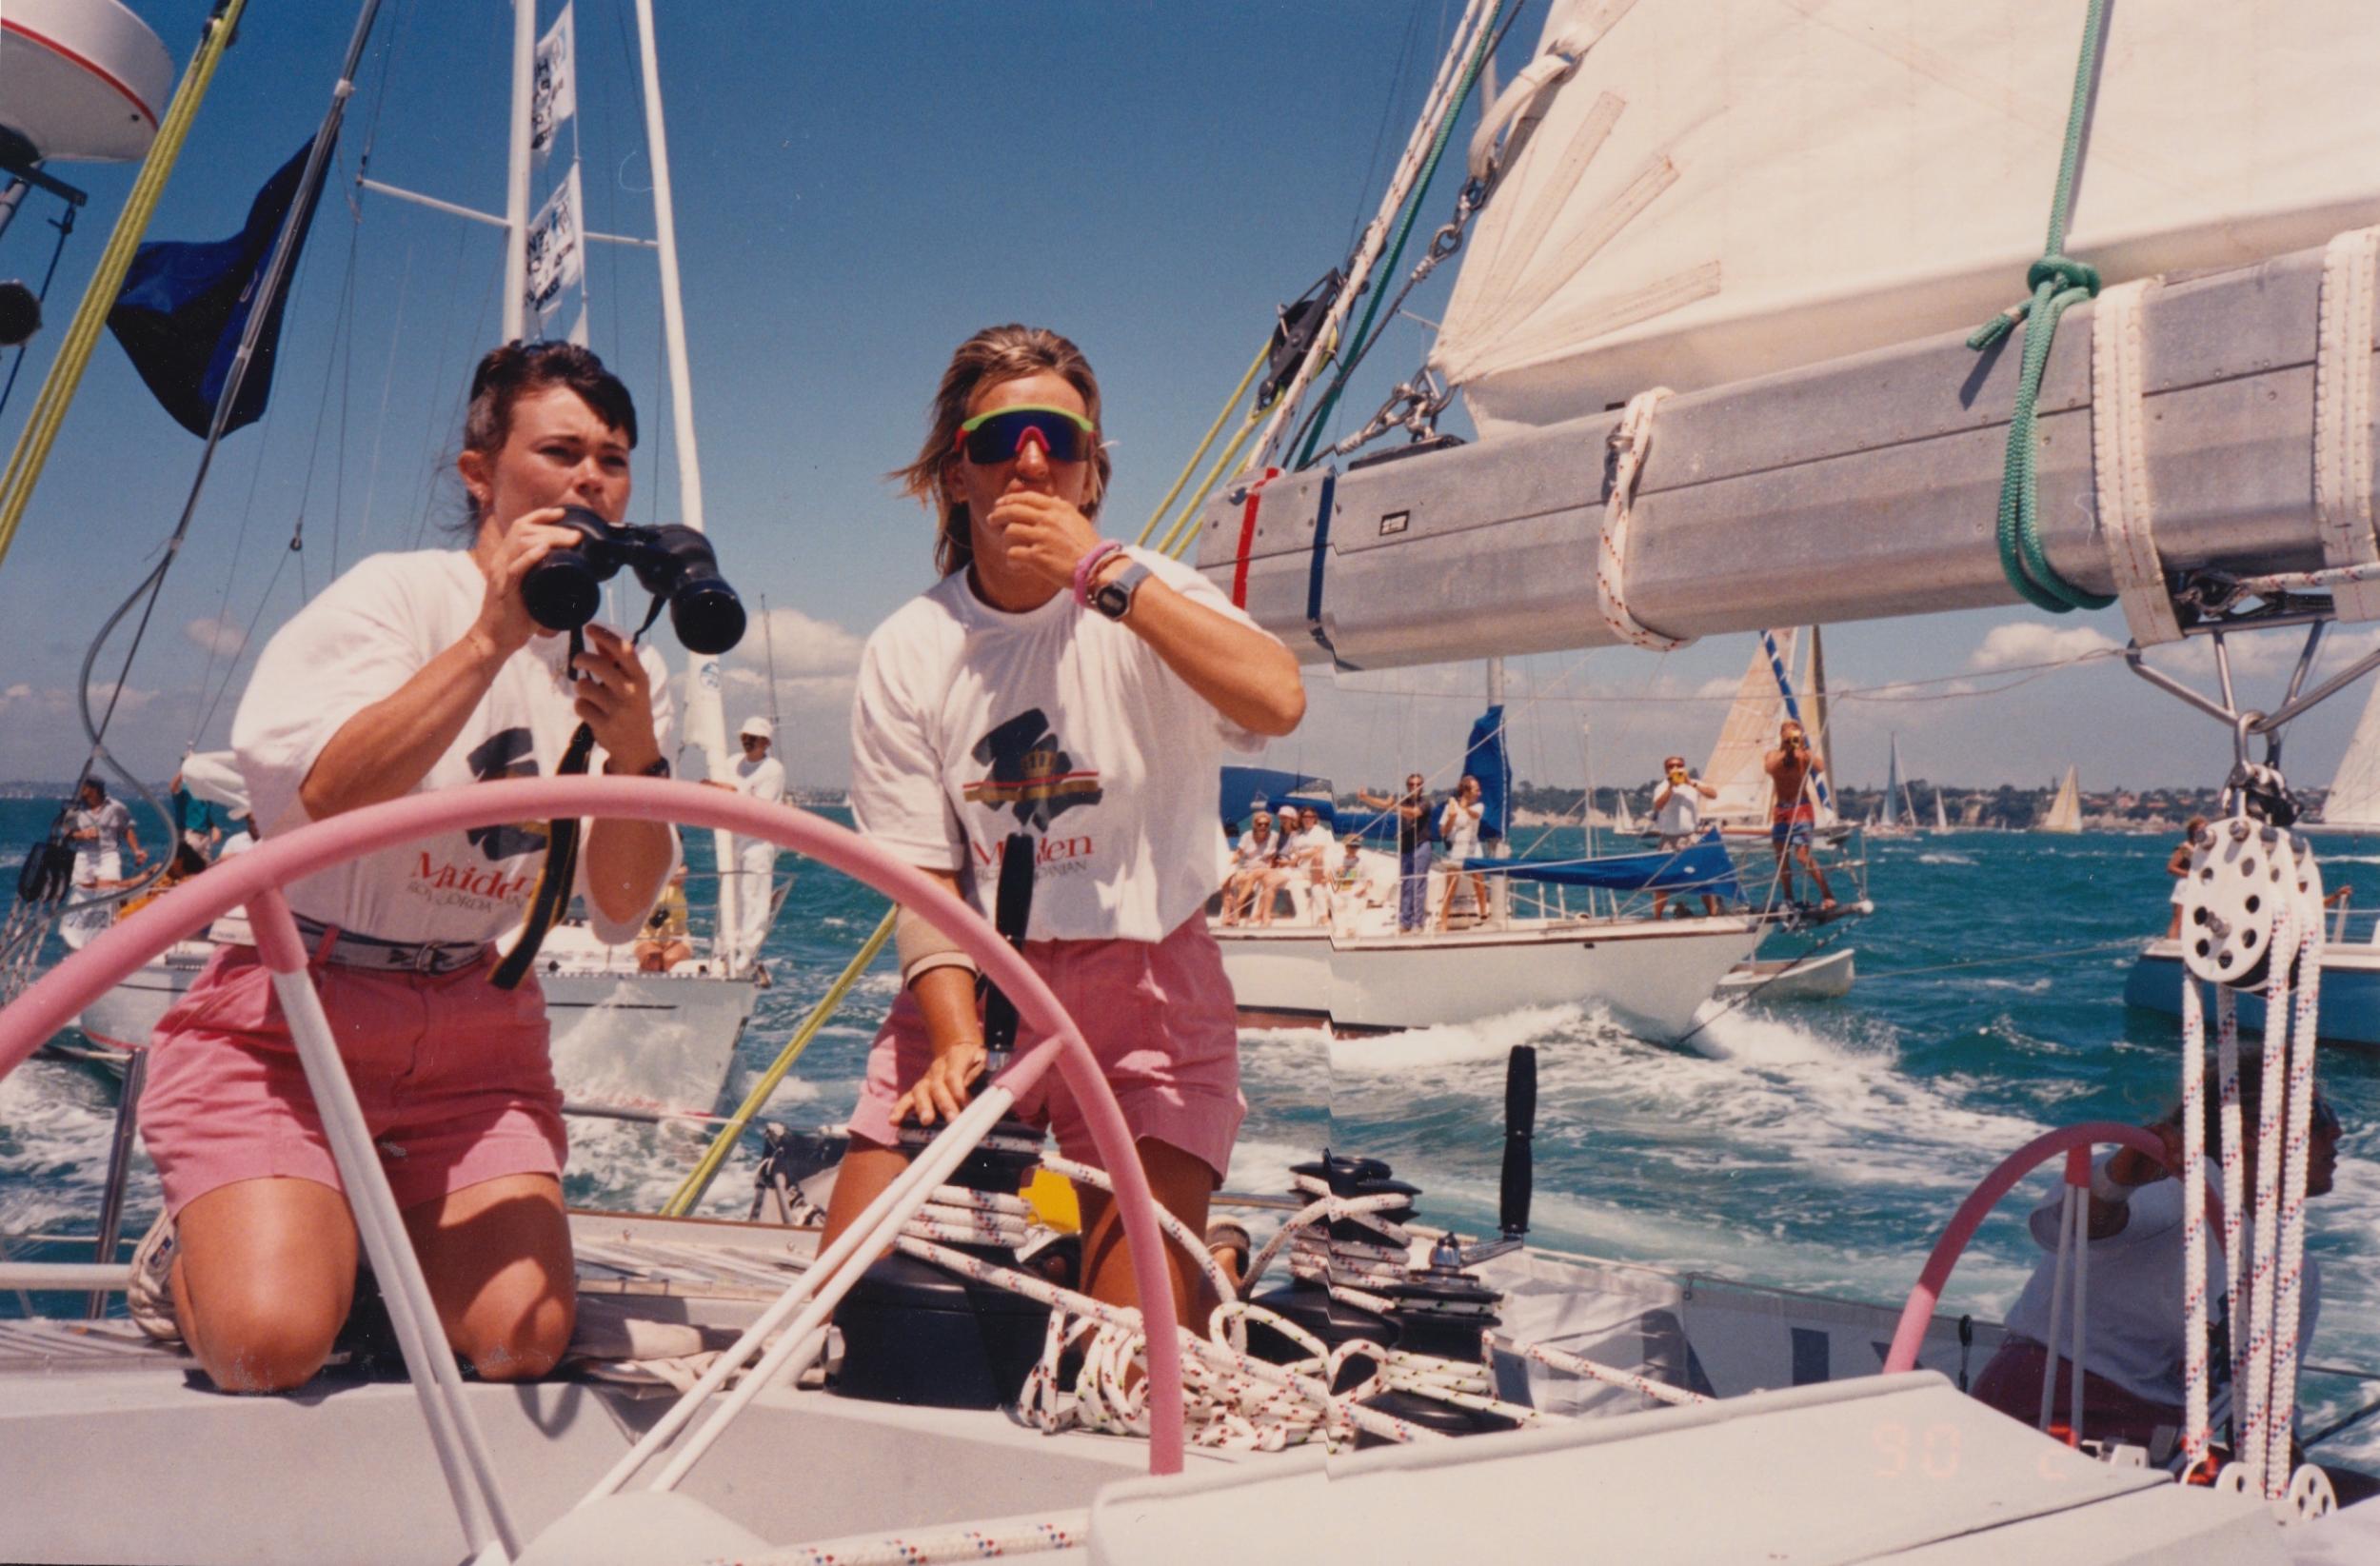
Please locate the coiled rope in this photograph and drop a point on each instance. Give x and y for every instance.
(2058, 282)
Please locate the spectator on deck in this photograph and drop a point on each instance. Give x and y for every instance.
(1794, 772)
(1413, 849)
(1459, 825)
(195, 820)
(1250, 859)
(2177, 865)
(664, 943)
(1309, 866)
(1677, 820)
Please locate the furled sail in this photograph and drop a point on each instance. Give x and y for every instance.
(1733, 187)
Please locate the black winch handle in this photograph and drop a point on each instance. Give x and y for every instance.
(1012, 911)
(1520, 1126)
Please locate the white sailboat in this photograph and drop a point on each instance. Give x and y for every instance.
(1941, 820)
(1896, 817)
(2065, 812)
(2354, 802)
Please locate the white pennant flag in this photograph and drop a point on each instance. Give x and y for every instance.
(557, 251)
(554, 95)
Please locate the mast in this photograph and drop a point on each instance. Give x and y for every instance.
(517, 171)
(769, 638)
(707, 723)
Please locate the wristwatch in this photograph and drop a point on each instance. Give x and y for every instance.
(658, 767)
(1114, 598)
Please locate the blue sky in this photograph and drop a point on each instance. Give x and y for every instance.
(858, 188)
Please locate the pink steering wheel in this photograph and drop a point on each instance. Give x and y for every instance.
(253, 879)
(1909, 1335)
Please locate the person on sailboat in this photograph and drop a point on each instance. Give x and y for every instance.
(1057, 694)
(409, 673)
(1249, 858)
(1794, 769)
(100, 829)
(1677, 820)
(1414, 844)
(2177, 865)
(2132, 1329)
(1309, 867)
(759, 776)
(1459, 825)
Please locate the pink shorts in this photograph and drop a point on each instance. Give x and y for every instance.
(1160, 1019)
(453, 1075)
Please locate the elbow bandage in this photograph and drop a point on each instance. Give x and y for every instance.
(921, 948)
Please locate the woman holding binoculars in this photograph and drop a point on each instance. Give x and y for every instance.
(412, 672)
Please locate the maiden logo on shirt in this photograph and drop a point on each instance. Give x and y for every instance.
(509, 753)
(1029, 773)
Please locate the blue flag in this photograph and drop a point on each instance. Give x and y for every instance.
(185, 304)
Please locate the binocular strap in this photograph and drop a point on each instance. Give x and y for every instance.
(561, 869)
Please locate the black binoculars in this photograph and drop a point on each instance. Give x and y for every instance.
(674, 563)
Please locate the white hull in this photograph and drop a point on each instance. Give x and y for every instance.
(1650, 977)
(1824, 978)
(622, 1040)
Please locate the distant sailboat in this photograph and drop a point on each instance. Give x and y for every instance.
(2065, 812)
(1898, 817)
(1941, 822)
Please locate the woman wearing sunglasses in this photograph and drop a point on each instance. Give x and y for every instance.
(1064, 687)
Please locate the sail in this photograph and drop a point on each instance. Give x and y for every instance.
(1941, 822)
(1484, 757)
(2354, 797)
(1739, 187)
(2065, 812)
(1734, 768)
(1891, 819)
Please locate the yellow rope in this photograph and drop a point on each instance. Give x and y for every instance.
(681, 1201)
(1182, 534)
(99, 297)
(1212, 430)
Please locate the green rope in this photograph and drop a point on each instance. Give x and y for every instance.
(2058, 282)
(1356, 343)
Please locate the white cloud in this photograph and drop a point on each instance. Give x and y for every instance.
(2028, 641)
(220, 637)
(18, 692)
(800, 645)
(1718, 686)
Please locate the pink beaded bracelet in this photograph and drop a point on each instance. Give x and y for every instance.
(1088, 564)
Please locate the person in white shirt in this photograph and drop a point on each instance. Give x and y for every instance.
(412, 672)
(2133, 1371)
(1677, 819)
(1459, 827)
(761, 777)
(1078, 695)
(100, 828)
(1250, 859)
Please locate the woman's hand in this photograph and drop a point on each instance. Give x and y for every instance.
(1041, 534)
(504, 621)
(2129, 1166)
(943, 1088)
(615, 700)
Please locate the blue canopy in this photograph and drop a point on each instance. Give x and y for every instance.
(1703, 866)
(1247, 789)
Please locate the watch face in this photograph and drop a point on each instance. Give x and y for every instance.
(1112, 600)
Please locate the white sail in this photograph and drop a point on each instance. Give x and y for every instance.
(1891, 817)
(1749, 733)
(2065, 813)
(1736, 187)
(1941, 822)
(2355, 798)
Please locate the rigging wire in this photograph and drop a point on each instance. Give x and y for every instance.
(65, 225)
(1388, 112)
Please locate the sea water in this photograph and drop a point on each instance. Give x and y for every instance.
(1810, 1145)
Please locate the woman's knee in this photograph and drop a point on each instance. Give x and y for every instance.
(519, 1340)
(262, 1339)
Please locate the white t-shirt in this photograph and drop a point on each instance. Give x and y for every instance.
(109, 819)
(355, 645)
(1680, 813)
(1316, 843)
(1254, 850)
(1458, 824)
(2132, 1321)
(971, 723)
(764, 780)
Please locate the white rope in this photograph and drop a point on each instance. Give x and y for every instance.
(2197, 1430)
(1610, 1375)
(2256, 1404)
(2119, 463)
(2343, 407)
(2298, 1040)
(1632, 438)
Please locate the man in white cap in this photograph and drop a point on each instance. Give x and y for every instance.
(762, 776)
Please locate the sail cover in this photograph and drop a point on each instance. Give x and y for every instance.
(1739, 187)
(1703, 866)
(1485, 759)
